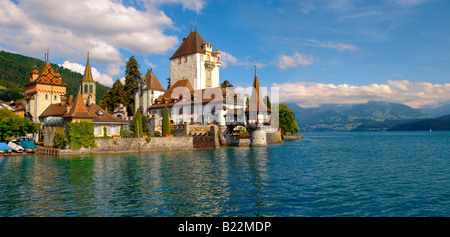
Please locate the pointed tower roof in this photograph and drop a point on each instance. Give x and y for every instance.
(257, 104)
(152, 82)
(192, 44)
(79, 110)
(47, 76)
(87, 72)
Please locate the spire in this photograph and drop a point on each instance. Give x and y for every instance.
(256, 67)
(87, 71)
(78, 110)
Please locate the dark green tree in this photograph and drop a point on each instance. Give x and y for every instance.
(267, 100)
(113, 97)
(226, 84)
(138, 124)
(287, 120)
(12, 125)
(168, 83)
(166, 122)
(132, 79)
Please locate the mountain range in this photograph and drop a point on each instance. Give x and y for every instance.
(373, 115)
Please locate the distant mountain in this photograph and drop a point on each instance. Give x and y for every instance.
(347, 117)
(15, 73)
(437, 110)
(382, 125)
(436, 124)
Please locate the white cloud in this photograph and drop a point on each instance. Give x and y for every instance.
(97, 75)
(338, 46)
(227, 59)
(295, 60)
(71, 28)
(194, 5)
(414, 94)
(307, 7)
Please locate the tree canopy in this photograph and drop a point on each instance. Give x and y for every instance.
(287, 119)
(132, 79)
(226, 84)
(12, 125)
(113, 97)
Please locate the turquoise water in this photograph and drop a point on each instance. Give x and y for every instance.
(325, 174)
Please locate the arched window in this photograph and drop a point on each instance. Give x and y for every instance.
(91, 89)
(85, 89)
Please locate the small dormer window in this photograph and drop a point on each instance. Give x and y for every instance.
(101, 113)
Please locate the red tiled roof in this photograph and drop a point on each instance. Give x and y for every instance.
(152, 82)
(79, 110)
(57, 110)
(192, 44)
(48, 76)
(106, 117)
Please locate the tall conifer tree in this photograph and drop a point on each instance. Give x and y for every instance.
(132, 79)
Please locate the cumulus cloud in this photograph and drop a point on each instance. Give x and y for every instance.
(96, 74)
(71, 28)
(414, 94)
(194, 5)
(295, 60)
(227, 59)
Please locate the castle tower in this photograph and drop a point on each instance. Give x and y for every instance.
(149, 90)
(87, 85)
(258, 115)
(45, 88)
(195, 60)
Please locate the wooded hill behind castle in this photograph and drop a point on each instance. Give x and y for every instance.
(15, 70)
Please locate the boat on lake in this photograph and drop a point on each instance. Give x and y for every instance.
(26, 143)
(15, 147)
(4, 148)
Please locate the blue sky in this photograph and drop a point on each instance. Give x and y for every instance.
(315, 52)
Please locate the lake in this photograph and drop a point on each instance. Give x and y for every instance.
(325, 174)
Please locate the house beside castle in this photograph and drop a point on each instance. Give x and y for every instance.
(56, 116)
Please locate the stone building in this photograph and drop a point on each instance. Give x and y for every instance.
(57, 115)
(195, 60)
(149, 89)
(44, 89)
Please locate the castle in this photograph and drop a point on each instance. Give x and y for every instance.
(194, 95)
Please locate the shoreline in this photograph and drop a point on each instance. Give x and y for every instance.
(64, 152)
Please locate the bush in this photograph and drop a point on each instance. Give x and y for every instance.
(81, 134)
(157, 133)
(148, 139)
(105, 132)
(60, 139)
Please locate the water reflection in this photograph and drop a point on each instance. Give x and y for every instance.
(229, 182)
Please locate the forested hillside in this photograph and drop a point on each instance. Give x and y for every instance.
(15, 73)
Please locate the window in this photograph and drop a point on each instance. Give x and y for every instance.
(179, 61)
(55, 97)
(46, 97)
(91, 89)
(85, 89)
(185, 59)
(98, 130)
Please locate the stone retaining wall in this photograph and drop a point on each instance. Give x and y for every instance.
(141, 144)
